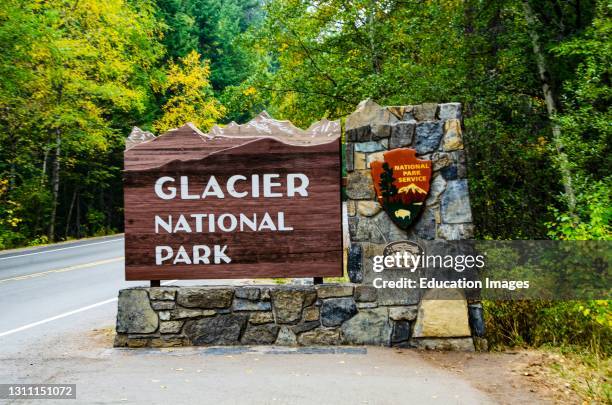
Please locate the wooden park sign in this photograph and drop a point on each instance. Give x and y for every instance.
(401, 182)
(243, 201)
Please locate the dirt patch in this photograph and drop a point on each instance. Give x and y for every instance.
(511, 377)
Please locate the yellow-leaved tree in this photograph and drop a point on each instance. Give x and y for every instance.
(190, 97)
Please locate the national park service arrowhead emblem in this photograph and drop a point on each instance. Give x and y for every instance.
(401, 182)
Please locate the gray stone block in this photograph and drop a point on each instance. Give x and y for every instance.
(368, 147)
(365, 293)
(401, 332)
(455, 206)
(216, 330)
(247, 305)
(402, 134)
(428, 136)
(354, 265)
(286, 337)
(333, 290)
(334, 311)
(425, 111)
(205, 297)
(260, 334)
(134, 312)
(455, 231)
(247, 293)
(360, 186)
(350, 157)
(368, 327)
(449, 111)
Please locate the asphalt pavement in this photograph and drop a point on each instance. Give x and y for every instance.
(58, 306)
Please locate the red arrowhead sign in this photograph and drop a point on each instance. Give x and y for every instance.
(401, 182)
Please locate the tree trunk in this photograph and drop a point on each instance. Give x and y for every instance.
(78, 216)
(74, 194)
(55, 179)
(43, 174)
(551, 106)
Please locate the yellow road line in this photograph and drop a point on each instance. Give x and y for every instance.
(65, 269)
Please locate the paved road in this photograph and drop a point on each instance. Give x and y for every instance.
(57, 314)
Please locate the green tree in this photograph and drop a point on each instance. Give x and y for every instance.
(190, 97)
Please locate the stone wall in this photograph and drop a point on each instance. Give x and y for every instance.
(327, 314)
(435, 131)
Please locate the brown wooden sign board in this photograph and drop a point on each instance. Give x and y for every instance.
(244, 201)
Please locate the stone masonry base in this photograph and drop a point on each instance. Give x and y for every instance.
(326, 314)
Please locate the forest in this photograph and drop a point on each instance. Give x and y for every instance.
(77, 75)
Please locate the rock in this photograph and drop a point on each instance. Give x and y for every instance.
(381, 131)
(378, 229)
(169, 341)
(405, 313)
(455, 205)
(442, 313)
(365, 293)
(476, 318)
(440, 160)
(425, 111)
(247, 305)
(320, 336)
(164, 315)
(455, 231)
(354, 269)
(351, 209)
(334, 311)
(360, 124)
(360, 185)
(247, 293)
(401, 332)
(452, 344)
(353, 225)
(217, 330)
(170, 326)
(286, 337)
(260, 334)
(425, 225)
(205, 297)
(459, 159)
(366, 305)
(288, 303)
(368, 327)
(162, 305)
(350, 157)
(368, 208)
(402, 134)
(304, 327)
(162, 293)
(449, 111)
(374, 157)
(311, 314)
(258, 318)
(134, 312)
(182, 313)
(368, 147)
(333, 290)
(428, 136)
(436, 188)
(399, 110)
(360, 161)
(453, 138)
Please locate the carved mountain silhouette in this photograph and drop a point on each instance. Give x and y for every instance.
(412, 188)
